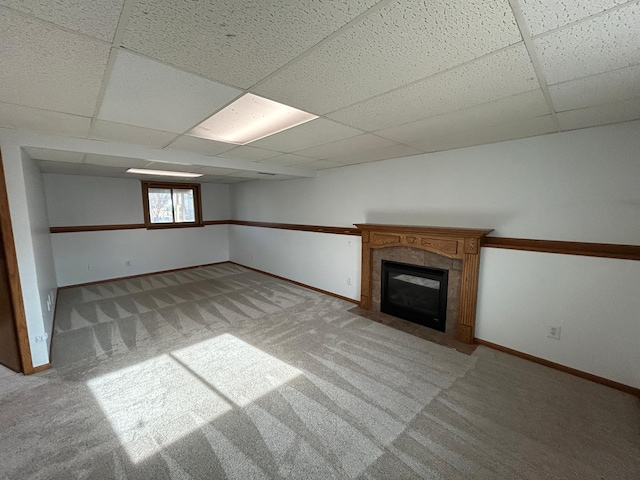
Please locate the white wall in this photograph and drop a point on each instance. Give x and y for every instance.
(41, 238)
(300, 256)
(595, 301)
(82, 257)
(28, 248)
(580, 186)
(575, 186)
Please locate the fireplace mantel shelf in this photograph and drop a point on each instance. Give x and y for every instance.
(462, 243)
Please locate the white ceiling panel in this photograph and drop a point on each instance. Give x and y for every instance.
(226, 180)
(249, 153)
(43, 121)
(393, 151)
(49, 68)
(260, 176)
(404, 42)
(152, 95)
(544, 15)
(307, 135)
(496, 76)
(54, 155)
(111, 161)
(597, 45)
(515, 108)
(176, 167)
(118, 132)
(321, 165)
(216, 171)
(199, 145)
(98, 18)
(600, 114)
(288, 160)
(389, 78)
(237, 42)
(607, 87)
(348, 146)
(499, 133)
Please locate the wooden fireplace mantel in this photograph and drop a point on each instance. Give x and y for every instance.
(462, 243)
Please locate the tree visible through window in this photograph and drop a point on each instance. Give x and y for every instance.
(171, 204)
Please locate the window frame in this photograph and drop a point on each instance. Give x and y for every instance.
(197, 204)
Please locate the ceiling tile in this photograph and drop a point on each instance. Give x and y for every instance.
(260, 176)
(607, 87)
(111, 161)
(401, 43)
(152, 95)
(236, 42)
(600, 115)
(228, 180)
(517, 107)
(97, 18)
(393, 151)
(54, 155)
(49, 68)
(307, 135)
(288, 160)
(199, 145)
(321, 165)
(216, 171)
(176, 167)
(249, 153)
(499, 133)
(500, 75)
(544, 15)
(43, 121)
(597, 45)
(346, 146)
(118, 132)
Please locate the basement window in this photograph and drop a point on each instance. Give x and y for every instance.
(171, 205)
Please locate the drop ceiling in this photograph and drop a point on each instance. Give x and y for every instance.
(387, 78)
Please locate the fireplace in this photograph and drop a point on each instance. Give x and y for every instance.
(415, 293)
(456, 250)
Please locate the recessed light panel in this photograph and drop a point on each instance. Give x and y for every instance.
(250, 118)
(163, 173)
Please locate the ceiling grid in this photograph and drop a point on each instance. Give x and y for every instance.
(387, 78)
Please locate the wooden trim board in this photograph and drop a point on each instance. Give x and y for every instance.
(96, 228)
(13, 272)
(299, 227)
(608, 250)
(563, 368)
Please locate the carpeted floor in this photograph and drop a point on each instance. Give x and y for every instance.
(222, 372)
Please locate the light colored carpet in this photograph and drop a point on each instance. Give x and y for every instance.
(222, 372)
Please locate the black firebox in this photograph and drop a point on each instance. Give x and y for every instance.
(415, 293)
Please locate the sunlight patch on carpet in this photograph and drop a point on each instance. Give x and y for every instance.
(203, 381)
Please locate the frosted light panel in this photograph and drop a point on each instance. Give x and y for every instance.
(163, 173)
(250, 118)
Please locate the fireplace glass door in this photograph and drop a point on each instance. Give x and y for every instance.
(415, 293)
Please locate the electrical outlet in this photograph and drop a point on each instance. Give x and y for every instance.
(89, 267)
(127, 263)
(554, 332)
(348, 280)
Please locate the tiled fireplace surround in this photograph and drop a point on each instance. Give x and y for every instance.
(454, 249)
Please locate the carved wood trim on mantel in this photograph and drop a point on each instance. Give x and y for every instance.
(462, 243)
